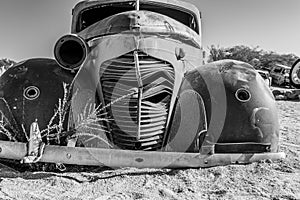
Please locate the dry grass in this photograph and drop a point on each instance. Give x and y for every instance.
(5, 131)
(55, 127)
(5, 127)
(87, 123)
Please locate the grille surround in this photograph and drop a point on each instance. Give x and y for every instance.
(140, 87)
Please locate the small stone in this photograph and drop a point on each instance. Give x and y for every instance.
(167, 193)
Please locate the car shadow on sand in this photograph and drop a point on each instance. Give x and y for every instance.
(79, 174)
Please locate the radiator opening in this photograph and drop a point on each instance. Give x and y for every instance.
(138, 120)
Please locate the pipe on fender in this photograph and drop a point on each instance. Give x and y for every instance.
(70, 51)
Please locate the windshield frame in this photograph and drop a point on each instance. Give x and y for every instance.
(184, 7)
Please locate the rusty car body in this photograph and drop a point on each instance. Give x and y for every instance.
(128, 87)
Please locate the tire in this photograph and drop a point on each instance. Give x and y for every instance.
(294, 69)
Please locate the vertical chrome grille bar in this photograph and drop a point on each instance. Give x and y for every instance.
(140, 91)
(137, 5)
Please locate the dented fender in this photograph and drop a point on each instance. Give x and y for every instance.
(240, 107)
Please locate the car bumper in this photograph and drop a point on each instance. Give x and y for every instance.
(125, 158)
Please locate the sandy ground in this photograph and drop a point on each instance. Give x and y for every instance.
(264, 180)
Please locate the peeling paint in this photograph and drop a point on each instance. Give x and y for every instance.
(226, 66)
(20, 71)
(236, 72)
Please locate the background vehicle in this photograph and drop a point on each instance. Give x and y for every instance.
(295, 74)
(280, 74)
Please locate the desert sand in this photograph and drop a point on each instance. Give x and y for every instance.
(263, 180)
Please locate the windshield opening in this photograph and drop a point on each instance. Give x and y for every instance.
(92, 15)
(277, 70)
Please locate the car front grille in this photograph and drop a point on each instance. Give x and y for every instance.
(138, 89)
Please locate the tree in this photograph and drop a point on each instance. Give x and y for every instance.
(254, 56)
(216, 53)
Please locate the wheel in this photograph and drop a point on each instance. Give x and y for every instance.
(295, 74)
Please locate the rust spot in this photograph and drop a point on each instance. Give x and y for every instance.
(22, 69)
(226, 66)
(139, 160)
(236, 72)
(179, 53)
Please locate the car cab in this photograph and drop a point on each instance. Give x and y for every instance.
(280, 74)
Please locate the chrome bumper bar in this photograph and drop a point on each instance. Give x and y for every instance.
(116, 158)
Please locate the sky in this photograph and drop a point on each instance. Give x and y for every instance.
(30, 28)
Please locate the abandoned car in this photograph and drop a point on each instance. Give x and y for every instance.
(280, 75)
(128, 88)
